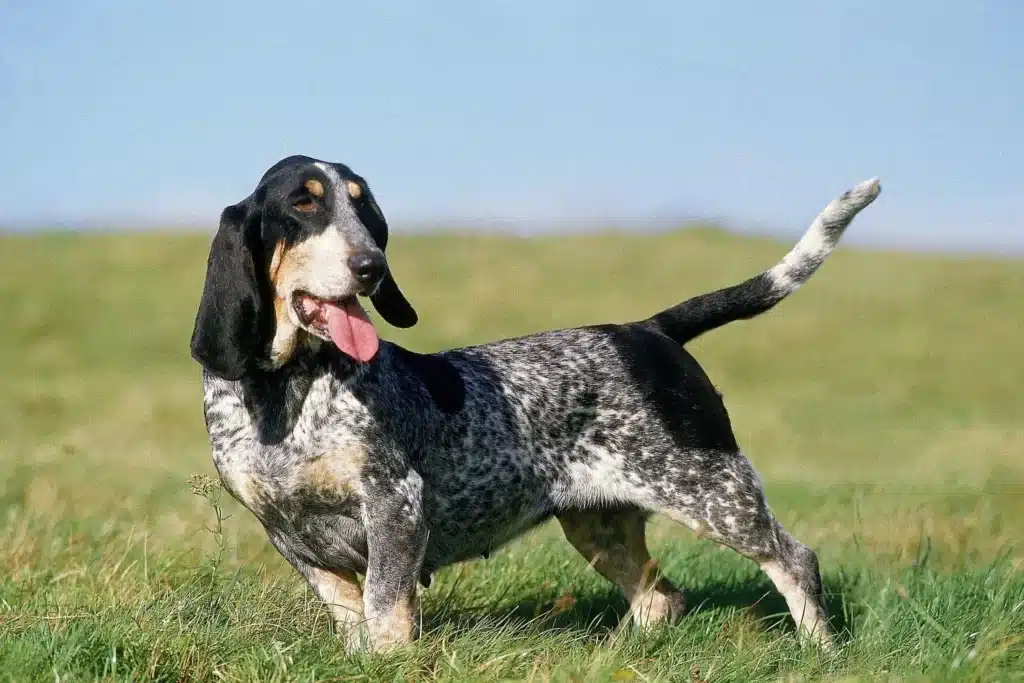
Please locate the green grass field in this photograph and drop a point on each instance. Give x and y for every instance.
(882, 405)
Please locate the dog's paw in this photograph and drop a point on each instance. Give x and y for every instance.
(379, 635)
(655, 608)
(676, 607)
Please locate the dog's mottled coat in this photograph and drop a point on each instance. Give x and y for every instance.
(396, 467)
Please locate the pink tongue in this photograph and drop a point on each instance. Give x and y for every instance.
(351, 331)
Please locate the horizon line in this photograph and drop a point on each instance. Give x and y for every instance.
(565, 225)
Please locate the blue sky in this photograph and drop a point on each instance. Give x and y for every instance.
(755, 112)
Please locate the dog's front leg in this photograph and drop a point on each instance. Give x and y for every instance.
(396, 539)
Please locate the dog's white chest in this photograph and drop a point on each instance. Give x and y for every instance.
(331, 480)
(313, 466)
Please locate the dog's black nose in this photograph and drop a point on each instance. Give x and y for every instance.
(368, 266)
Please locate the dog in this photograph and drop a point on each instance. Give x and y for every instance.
(360, 457)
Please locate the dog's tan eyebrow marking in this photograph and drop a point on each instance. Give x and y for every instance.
(354, 189)
(315, 187)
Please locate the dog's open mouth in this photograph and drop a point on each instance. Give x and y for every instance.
(343, 321)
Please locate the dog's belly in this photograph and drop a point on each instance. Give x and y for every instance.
(470, 514)
(451, 544)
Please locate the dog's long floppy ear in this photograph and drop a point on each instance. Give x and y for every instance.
(388, 299)
(227, 332)
(392, 304)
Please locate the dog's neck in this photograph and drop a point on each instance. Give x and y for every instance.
(275, 399)
(397, 382)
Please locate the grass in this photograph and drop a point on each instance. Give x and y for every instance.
(882, 405)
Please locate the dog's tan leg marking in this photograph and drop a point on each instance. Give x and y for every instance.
(614, 542)
(340, 591)
(397, 625)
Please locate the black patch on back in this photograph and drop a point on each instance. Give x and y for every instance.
(676, 388)
(441, 379)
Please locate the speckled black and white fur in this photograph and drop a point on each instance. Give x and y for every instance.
(394, 468)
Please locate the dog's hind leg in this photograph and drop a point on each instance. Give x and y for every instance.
(614, 542)
(731, 509)
(793, 568)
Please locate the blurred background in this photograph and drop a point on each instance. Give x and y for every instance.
(541, 165)
(533, 115)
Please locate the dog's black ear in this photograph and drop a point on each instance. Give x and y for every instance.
(226, 336)
(392, 304)
(388, 299)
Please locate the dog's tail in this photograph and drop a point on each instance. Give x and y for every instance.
(703, 313)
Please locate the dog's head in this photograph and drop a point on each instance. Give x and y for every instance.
(291, 260)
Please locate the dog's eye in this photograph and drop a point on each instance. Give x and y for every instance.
(305, 205)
